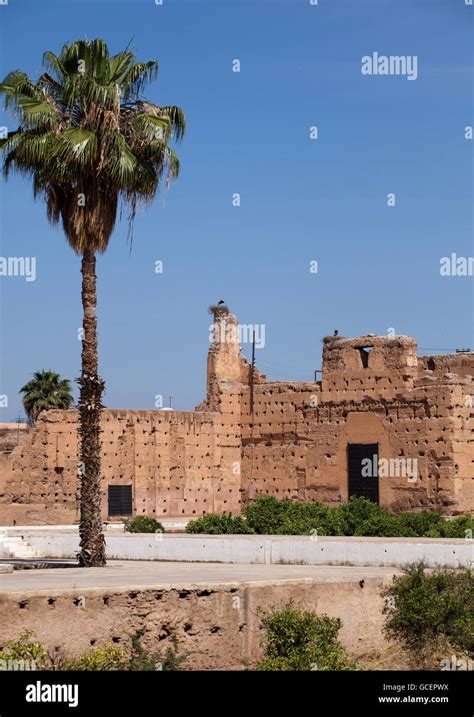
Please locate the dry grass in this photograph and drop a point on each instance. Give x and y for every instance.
(392, 658)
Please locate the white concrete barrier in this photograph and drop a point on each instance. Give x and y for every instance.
(300, 550)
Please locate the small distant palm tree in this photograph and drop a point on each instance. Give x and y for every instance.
(46, 390)
(92, 145)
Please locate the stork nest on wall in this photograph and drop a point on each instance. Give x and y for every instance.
(327, 340)
(218, 309)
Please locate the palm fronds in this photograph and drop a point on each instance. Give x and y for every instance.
(88, 139)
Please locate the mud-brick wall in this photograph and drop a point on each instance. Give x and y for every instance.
(218, 625)
(173, 459)
(373, 366)
(179, 464)
(293, 448)
(38, 480)
(275, 439)
(440, 436)
(461, 364)
(463, 444)
(422, 430)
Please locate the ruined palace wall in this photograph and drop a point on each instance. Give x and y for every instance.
(276, 439)
(252, 437)
(34, 488)
(295, 444)
(369, 366)
(439, 365)
(419, 428)
(179, 463)
(463, 443)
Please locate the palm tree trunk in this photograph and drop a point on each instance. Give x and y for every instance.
(92, 544)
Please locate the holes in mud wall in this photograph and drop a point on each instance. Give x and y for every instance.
(431, 366)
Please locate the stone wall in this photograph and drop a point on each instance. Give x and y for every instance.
(12, 435)
(373, 390)
(217, 623)
(460, 364)
(178, 463)
(254, 437)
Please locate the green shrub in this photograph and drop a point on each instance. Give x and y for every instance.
(310, 517)
(143, 524)
(144, 660)
(297, 639)
(269, 516)
(266, 515)
(334, 523)
(460, 527)
(214, 524)
(429, 612)
(24, 648)
(302, 519)
(357, 511)
(99, 659)
(420, 524)
(111, 658)
(383, 526)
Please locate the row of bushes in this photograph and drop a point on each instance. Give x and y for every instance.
(294, 639)
(107, 658)
(359, 516)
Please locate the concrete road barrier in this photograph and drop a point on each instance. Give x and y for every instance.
(251, 549)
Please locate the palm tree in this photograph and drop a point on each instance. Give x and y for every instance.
(91, 142)
(45, 390)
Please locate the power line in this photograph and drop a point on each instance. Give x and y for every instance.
(427, 348)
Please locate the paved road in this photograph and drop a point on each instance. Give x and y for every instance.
(137, 574)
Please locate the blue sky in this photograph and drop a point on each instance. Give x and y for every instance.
(301, 199)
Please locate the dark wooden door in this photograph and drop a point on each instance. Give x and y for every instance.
(361, 484)
(120, 500)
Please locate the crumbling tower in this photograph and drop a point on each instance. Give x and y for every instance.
(223, 395)
(223, 361)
